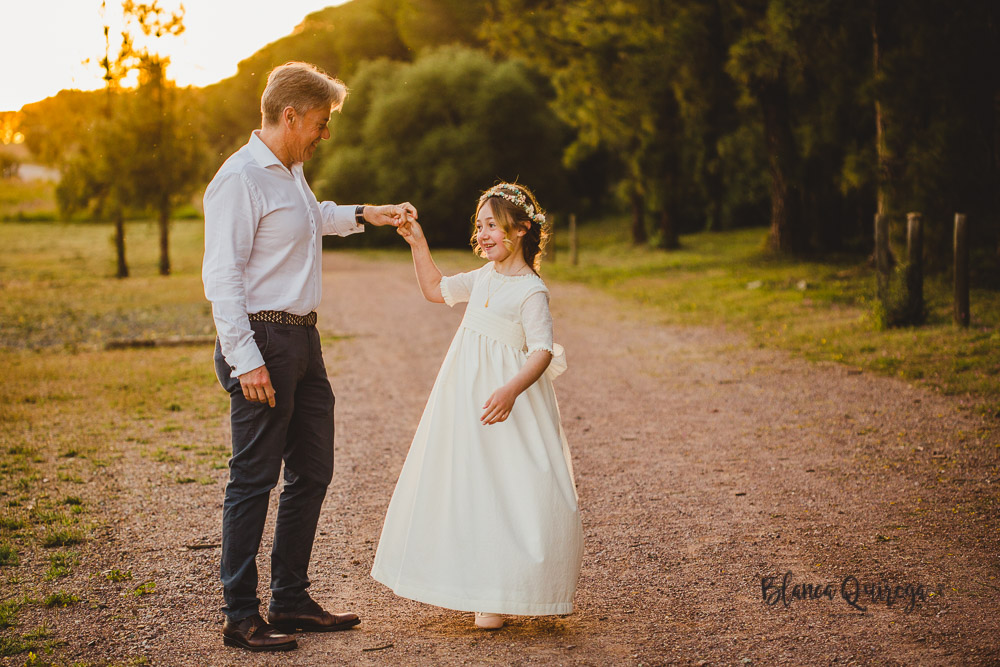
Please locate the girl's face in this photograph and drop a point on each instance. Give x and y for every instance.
(490, 235)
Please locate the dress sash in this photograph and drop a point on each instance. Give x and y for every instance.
(499, 328)
(511, 334)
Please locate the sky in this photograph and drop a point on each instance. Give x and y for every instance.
(44, 43)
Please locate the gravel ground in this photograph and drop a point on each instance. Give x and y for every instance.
(703, 465)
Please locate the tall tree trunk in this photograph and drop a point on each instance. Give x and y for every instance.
(716, 192)
(639, 236)
(164, 203)
(993, 23)
(881, 148)
(786, 235)
(996, 156)
(668, 227)
(881, 10)
(668, 231)
(120, 242)
(164, 236)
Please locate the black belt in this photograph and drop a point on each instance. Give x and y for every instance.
(281, 317)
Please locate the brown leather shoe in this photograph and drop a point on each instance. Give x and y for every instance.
(311, 618)
(253, 634)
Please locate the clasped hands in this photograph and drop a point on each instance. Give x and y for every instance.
(390, 214)
(401, 216)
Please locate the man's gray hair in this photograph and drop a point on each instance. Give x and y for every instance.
(303, 87)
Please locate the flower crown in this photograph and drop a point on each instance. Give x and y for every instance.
(514, 195)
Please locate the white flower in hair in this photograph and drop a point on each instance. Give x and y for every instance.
(515, 196)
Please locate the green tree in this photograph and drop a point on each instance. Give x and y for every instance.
(91, 167)
(939, 88)
(438, 132)
(430, 24)
(765, 62)
(605, 61)
(713, 108)
(169, 163)
(139, 153)
(337, 39)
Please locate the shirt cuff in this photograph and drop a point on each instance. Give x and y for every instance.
(339, 219)
(244, 359)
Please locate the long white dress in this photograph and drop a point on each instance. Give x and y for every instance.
(485, 518)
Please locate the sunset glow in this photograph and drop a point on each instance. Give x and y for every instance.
(50, 45)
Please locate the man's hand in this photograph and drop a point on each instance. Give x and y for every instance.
(257, 386)
(390, 214)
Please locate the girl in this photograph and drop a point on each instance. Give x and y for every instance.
(484, 517)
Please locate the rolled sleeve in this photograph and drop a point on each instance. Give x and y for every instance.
(339, 220)
(232, 212)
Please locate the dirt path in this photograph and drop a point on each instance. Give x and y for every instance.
(702, 465)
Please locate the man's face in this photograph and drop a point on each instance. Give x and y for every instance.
(307, 131)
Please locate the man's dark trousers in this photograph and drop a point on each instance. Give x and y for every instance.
(298, 431)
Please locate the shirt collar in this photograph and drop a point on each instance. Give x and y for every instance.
(261, 153)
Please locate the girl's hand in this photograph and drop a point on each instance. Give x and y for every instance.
(411, 231)
(498, 406)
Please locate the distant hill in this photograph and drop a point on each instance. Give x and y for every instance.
(337, 39)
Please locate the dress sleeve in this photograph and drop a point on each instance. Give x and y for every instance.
(458, 288)
(537, 322)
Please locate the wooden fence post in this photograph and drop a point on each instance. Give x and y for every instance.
(961, 302)
(914, 267)
(882, 255)
(573, 257)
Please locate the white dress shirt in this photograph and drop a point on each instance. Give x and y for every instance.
(263, 245)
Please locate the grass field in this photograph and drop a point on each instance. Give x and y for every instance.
(59, 291)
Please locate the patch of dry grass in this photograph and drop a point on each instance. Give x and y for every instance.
(58, 290)
(71, 410)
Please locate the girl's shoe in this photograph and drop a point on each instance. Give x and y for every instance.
(488, 621)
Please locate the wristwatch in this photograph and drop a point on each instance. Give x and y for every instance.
(359, 215)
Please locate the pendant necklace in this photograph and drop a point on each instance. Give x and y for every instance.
(488, 286)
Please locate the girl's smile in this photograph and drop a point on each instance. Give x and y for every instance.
(491, 237)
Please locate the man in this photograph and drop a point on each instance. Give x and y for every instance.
(262, 273)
